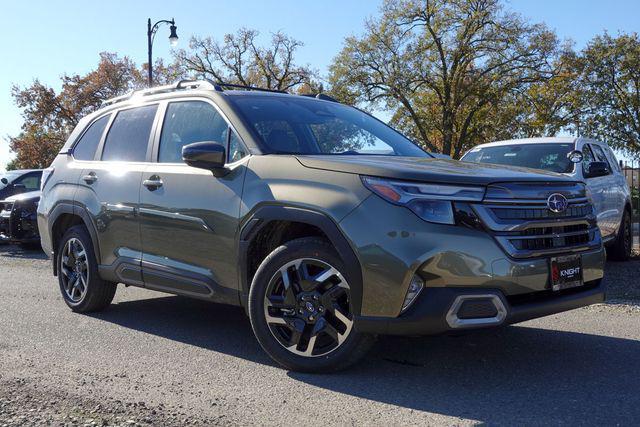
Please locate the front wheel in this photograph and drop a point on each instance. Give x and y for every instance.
(621, 248)
(80, 285)
(300, 308)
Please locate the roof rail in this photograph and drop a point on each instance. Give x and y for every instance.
(181, 84)
(200, 84)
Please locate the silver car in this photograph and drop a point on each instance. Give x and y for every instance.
(594, 163)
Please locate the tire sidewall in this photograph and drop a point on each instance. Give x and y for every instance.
(300, 248)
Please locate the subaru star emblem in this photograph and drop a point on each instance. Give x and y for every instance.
(557, 203)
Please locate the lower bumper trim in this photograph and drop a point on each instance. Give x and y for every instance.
(431, 314)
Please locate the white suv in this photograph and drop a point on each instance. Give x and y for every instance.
(597, 167)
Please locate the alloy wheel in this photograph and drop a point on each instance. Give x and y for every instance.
(307, 308)
(74, 270)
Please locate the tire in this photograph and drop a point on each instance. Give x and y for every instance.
(620, 250)
(80, 285)
(292, 325)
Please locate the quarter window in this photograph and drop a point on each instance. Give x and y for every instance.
(187, 122)
(236, 149)
(128, 136)
(86, 147)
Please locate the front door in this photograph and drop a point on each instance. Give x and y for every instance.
(599, 187)
(188, 217)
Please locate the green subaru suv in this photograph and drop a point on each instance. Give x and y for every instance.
(325, 224)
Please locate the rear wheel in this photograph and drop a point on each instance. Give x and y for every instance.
(300, 308)
(621, 249)
(80, 285)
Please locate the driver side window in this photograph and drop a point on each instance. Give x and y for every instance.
(186, 122)
(30, 181)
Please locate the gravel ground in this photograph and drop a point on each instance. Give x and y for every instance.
(153, 359)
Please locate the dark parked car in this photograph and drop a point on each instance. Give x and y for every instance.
(19, 198)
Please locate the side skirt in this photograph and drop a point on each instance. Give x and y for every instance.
(162, 278)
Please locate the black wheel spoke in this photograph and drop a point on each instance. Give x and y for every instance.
(296, 327)
(332, 294)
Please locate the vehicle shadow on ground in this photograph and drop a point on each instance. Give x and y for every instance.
(511, 375)
(24, 252)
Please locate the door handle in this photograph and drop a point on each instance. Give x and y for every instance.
(153, 183)
(90, 178)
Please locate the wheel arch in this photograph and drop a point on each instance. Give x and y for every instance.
(269, 219)
(65, 216)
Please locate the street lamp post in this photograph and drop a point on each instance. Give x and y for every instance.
(151, 33)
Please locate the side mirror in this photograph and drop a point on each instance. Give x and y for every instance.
(5, 181)
(575, 156)
(207, 155)
(597, 169)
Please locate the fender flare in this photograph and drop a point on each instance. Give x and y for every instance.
(265, 214)
(71, 209)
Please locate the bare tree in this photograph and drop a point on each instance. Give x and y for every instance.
(240, 60)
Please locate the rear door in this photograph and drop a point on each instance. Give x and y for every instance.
(189, 218)
(109, 189)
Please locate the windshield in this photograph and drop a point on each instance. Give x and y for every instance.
(10, 176)
(299, 125)
(550, 156)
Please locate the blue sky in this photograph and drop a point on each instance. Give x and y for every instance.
(46, 39)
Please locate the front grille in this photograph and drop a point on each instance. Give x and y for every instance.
(520, 220)
(542, 213)
(543, 238)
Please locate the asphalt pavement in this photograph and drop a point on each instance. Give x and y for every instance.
(157, 359)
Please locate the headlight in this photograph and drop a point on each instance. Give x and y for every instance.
(431, 202)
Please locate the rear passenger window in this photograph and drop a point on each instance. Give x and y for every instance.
(85, 149)
(128, 136)
(187, 122)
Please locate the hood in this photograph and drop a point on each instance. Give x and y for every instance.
(24, 196)
(428, 169)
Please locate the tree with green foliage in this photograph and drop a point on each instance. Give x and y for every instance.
(445, 68)
(610, 91)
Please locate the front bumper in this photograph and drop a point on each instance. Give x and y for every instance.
(393, 245)
(14, 228)
(429, 314)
